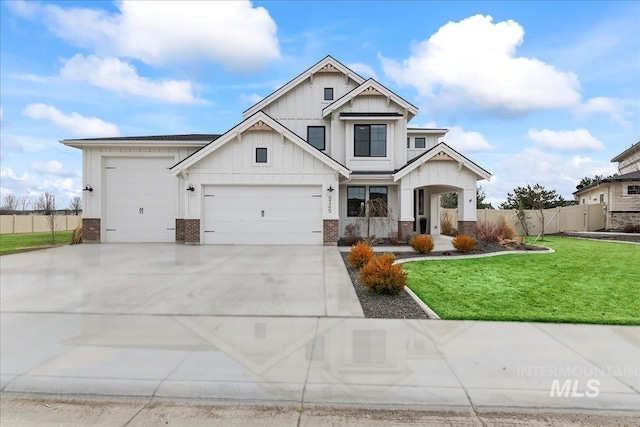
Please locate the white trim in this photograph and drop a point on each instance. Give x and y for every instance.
(442, 147)
(372, 118)
(134, 143)
(364, 86)
(308, 74)
(427, 131)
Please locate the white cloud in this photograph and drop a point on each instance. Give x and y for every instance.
(611, 106)
(572, 140)
(22, 8)
(118, 76)
(74, 122)
(473, 64)
(232, 33)
(461, 140)
(363, 69)
(9, 173)
(52, 167)
(253, 98)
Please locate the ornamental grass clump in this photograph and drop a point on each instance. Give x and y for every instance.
(422, 243)
(464, 243)
(360, 255)
(381, 276)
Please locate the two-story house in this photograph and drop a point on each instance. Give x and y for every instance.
(297, 169)
(620, 193)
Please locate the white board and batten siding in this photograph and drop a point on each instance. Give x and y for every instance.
(281, 202)
(236, 214)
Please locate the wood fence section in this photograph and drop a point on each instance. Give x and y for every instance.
(10, 224)
(587, 217)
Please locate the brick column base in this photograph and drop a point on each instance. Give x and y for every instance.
(179, 230)
(191, 231)
(330, 232)
(467, 227)
(404, 229)
(91, 230)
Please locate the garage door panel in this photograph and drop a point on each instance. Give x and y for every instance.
(263, 214)
(135, 183)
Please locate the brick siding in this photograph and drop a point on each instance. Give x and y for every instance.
(192, 231)
(179, 230)
(91, 230)
(330, 231)
(620, 219)
(467, 227)
(404, 229)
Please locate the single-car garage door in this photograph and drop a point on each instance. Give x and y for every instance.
(140, 200)
(263, 215)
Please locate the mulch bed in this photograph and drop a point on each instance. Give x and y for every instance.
(402, 306)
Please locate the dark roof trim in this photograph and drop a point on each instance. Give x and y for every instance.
(370, 115)
(372, 172)
(622, 155)
(358, 87)
(185, 137)
(630, 177)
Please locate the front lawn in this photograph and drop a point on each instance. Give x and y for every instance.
(12, 243)
(582, 282)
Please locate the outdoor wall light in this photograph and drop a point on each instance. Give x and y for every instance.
(190, 188)
(330, 189)
(87, 188)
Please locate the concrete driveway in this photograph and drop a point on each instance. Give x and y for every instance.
(179, 280)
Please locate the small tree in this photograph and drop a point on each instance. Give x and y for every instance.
(375, 210)
(537, 198)
(450, 200)
(25, 202)
(9, 203)
(76, 205)
(47, 205)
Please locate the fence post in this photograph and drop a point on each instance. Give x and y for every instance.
(558, 219)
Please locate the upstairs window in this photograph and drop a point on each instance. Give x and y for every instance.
(328, 94)
(315, 136)
(420, 143)
(408, 142)
(633, 189)
(370, 141)
(261, 155)
(355, 201)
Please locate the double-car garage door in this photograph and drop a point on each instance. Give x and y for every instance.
(263, 214)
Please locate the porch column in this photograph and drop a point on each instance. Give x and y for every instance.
(406, 217)
(467, 211)
(435, 215)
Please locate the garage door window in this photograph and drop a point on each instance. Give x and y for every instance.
(261, 155)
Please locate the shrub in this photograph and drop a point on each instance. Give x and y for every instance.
(446, 224)
(360, 255)
(506, 231)
(464, 243)
(381, 276)
(632, 228)
(76, 237)
(351, 234)
(487, 232)
(422, 243)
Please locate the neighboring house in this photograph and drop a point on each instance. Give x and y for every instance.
(295, 170)
(620, 192)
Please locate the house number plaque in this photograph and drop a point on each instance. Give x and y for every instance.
(329, 203)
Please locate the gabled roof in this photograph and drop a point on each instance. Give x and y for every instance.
(327, 61)
(372, 86)
(261, 118)
(620, 157)
(434, 151)
(626, 177)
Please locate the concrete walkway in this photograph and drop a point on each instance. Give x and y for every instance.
(440, 244)
(61, 335)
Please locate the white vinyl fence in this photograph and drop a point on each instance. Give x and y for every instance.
(10, 224)
(587, 217)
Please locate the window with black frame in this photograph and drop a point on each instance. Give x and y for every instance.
(378, 201)
(316, 136)
(355, 201)
(421, 143)
(370, 141)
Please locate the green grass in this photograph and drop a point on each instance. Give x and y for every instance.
(12, 243)
(582, 282)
